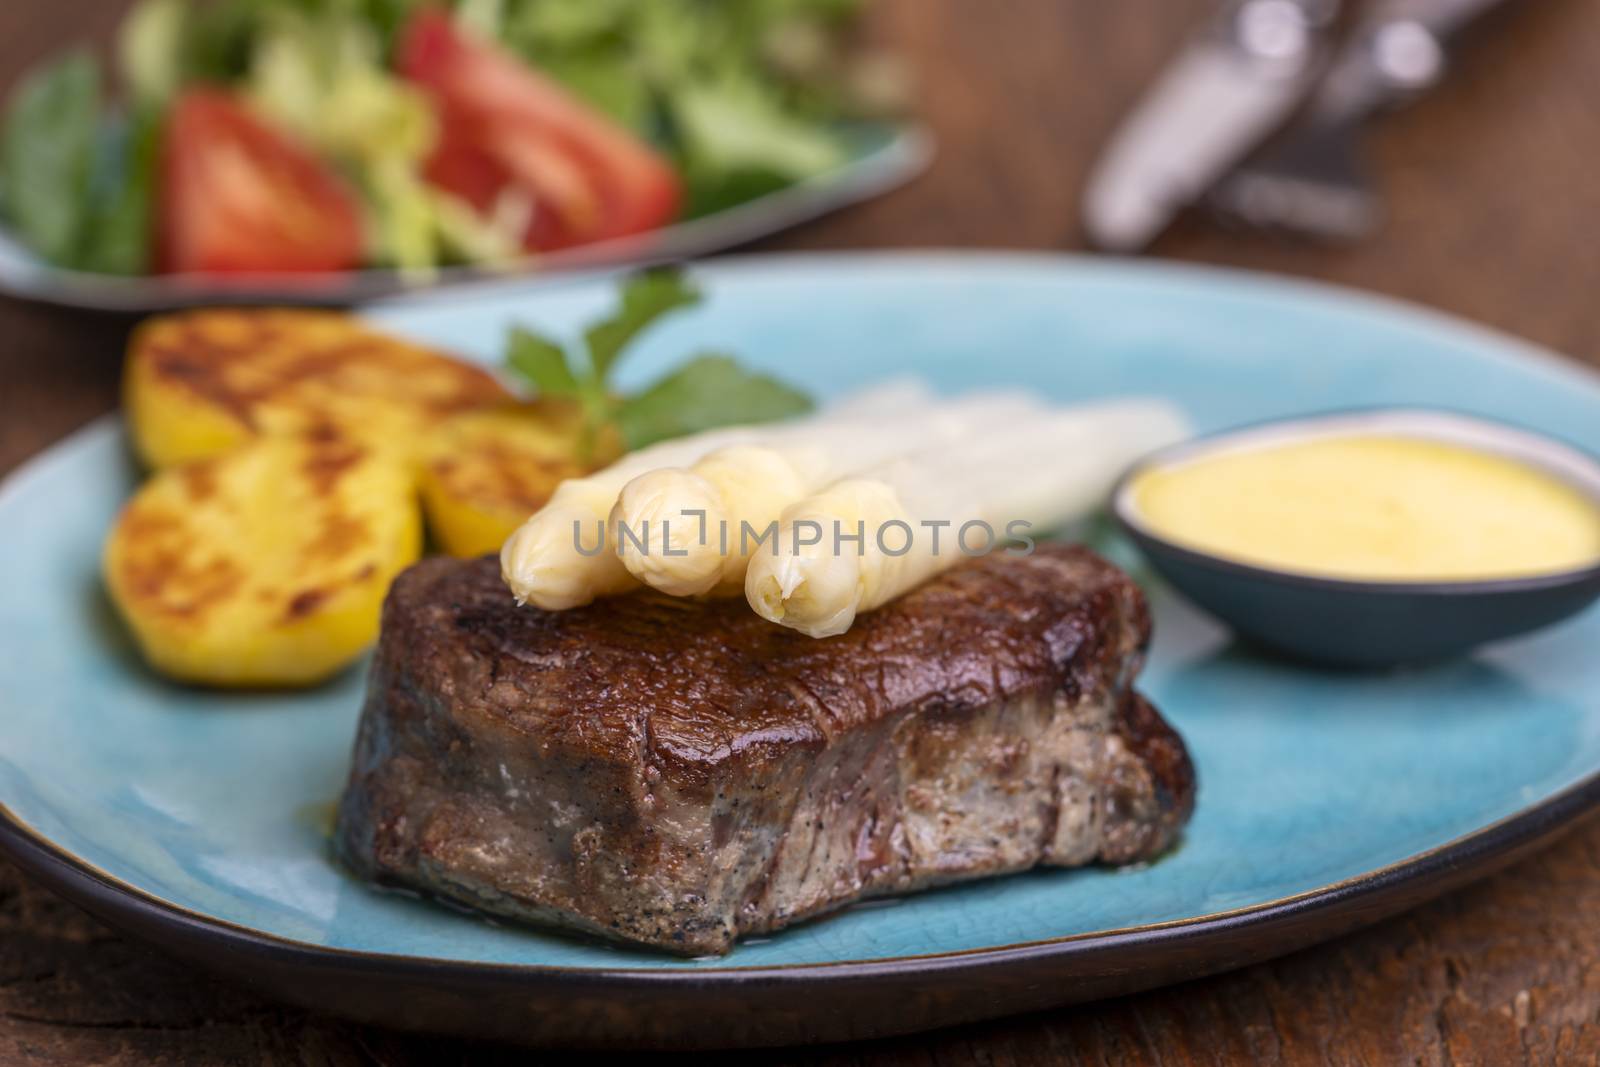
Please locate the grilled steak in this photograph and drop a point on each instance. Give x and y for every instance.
(679, 773)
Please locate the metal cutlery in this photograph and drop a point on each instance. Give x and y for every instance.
(1258, 66)
(1231, 86)
(1313, 181)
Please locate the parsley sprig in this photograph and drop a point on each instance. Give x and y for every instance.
(709, 390)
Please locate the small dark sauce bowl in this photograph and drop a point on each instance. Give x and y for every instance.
(1359, 623)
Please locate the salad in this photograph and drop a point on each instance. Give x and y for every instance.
(283, 136)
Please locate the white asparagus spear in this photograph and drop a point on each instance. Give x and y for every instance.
(704, 518)
(550, 561)
(1049, 471)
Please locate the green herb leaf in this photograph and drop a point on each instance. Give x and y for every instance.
(542, 362)
(117, 232)
(709, 391)
(645, 298)
(608, 81)
(46, 152)
(737, 126)
(218, 38)
(150, 50)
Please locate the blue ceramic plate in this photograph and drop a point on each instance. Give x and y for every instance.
(1327, 800)
(883, 156)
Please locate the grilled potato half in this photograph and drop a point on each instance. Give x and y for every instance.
(202, 382)
(484, 472)
(266, 566)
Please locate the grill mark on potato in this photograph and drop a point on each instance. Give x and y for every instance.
(513, 458)
(324, 467)
(304, 364)
(166, 579)
(195, 368)
(336, 535)
(523, 480)
(304, 603)
(211, 560)
(199, 481)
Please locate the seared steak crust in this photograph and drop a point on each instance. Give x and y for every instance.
(680, 773)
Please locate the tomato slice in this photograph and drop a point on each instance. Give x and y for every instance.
(237, 196)
(506, 125)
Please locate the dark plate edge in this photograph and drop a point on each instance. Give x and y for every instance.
(847, 999)
(906, 152)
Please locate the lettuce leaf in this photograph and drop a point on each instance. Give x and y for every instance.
(47, 151)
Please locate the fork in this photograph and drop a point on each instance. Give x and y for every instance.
(1313, 180)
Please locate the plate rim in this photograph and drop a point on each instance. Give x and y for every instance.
(1427, 873)
(908, 147)
(1433, 871)
(1495, 344)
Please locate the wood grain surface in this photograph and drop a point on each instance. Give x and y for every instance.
(1493, 200)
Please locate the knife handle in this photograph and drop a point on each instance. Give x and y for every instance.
(1277, 36)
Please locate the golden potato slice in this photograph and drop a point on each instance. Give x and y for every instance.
(199, 383)
(486, 471)
(265, 566)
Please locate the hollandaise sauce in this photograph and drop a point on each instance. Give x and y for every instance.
(1376, 507)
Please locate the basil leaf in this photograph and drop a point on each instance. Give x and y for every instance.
(708, 391)
(118, 231)
(541, 362)
(645, 298)
(46, 152)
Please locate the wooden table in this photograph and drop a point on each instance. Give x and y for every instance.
(1494, 204)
